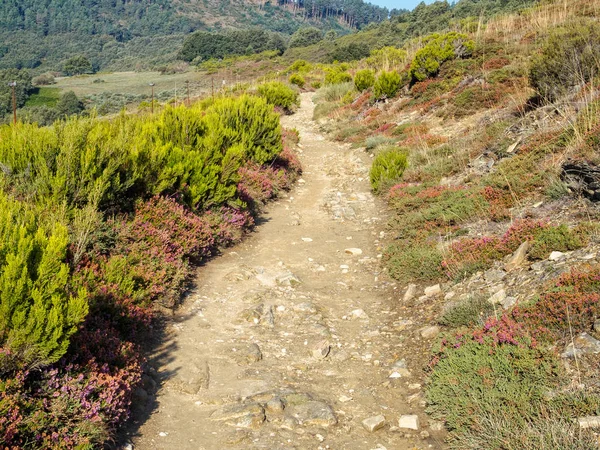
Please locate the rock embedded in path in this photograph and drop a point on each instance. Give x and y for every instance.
(251, 353)
(359, 314)
(353, 251)
(410, 422)
(432, 291)
(374, 423)
(518, 257)
(250, 415)
(287, 279)
(321, 350)
(313, 414)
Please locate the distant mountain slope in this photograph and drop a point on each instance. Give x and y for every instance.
(114, 33)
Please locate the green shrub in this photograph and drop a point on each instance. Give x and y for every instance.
(387, 168)
(323, 109)
(413, 263)
(438, 49)
(483, 378)
(469, 312)
(300, 65)
(316, 84)
(38, 313)
(550, 239)
(333, 92)
(279, 94)
(305, 37)
(298, 80)
(387, 85)
(570, 58)
(373, 142)
(364, 79)
(336, 76)
(386, 58)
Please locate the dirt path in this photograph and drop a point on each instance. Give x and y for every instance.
(289, 340)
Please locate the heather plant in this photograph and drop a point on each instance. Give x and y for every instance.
(387, 167)
(387, 85)
(438, 49)
(364, 79)
(38, 313)
(337, 75)
(279, 94)
(473, 310)
(297, 80)
(570, 58)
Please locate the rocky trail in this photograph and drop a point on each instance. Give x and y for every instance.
(293, 339)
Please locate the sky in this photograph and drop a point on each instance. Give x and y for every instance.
(399, 4)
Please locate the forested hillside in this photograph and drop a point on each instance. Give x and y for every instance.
(120, 34)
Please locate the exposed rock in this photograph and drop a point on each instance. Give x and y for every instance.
(344, 399)
(508, 302)
(321, 350)
(305, 307)
(400, 364)
(518, 257)
(313, 413)
(589, 422)
(411, 290)
(353, 251)
(555, 256)
(192, 378)
(243, 416)
(432, 291)
(274, 406)
(306, 239)
(434, 425)
(498, 298)
(374, 423)
(252, 353)
(400, 372)
(287, 279)
(430, 332)
(494, 275)
(410, 422)
(584, 344)
(359, 314)
(583, 178)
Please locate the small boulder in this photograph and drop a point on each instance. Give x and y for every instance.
(411, 290)
(494, 275)
(374, 423)
(432, 291)
(518, 257)
(410, 422)
(498, 297)
(555, 256)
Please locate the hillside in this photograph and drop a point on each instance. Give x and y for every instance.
(427, 278)
(143, 33)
